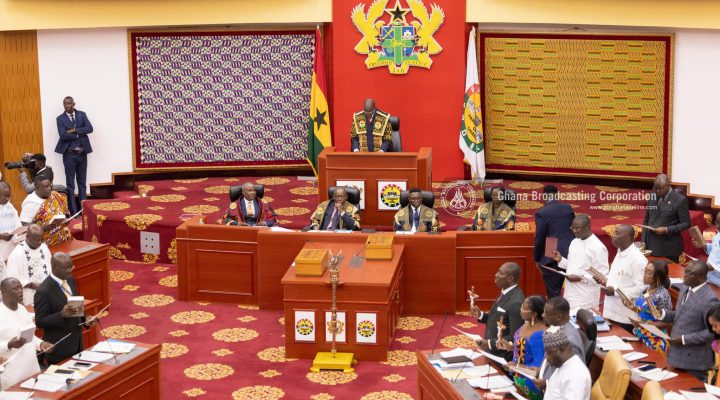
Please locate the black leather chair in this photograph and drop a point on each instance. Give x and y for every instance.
(396, 139)
(510, 197)
(588, 331)
(353, 194)
(236, 192)
(428, 198)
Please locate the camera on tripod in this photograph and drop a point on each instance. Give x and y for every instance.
(26, 162)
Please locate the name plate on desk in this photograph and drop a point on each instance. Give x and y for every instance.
(379, 247)
(312, 262)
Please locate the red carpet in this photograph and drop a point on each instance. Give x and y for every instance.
(158, 206)
(213, 351)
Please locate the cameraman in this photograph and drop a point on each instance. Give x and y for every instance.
(35, 164)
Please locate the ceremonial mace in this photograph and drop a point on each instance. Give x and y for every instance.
(334, 360)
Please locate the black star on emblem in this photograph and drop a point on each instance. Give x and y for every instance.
(397, 13)
(319, 118)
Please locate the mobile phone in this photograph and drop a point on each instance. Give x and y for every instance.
(647, 367)
(630, 339)
(81, 364)
(63, 371)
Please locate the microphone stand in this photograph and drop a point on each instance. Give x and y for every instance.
(106, 340)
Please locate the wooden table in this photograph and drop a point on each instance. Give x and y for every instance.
(91, 271)
(244, 265)
(432, 386)
(683, 381)
(136, 377)
(371, 289)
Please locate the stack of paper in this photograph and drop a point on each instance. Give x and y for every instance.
(634, 356)
(697, 396)
(655, 374)
(607, 343)
(456, 353)
(490, 382)
(78, 365)
(45, 383)
(92, 357)
(114, 346)
(480, 370)
(16, 395)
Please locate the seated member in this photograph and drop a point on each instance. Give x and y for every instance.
(41, 206)
(571, 379)
(249, 210)
(371, 130)
(416, 217)
(495, 215)
(336, 213)
(29, 263)
(14, 317)
(54, 315)
(507, 304)
(9, 222)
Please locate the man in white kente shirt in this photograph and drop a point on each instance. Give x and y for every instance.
(586, 251)
(626, 275)
(30, 262)
(22, 362)
(9, 221)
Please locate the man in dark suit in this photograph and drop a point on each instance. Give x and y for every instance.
(554, 219)
(506, 308)
(73, 128)
(250, 210)
(667, 212)
(54, 315)
(691, 341)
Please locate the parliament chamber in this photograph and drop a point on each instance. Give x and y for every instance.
(340, 199)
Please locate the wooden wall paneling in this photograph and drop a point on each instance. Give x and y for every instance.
(20, 117)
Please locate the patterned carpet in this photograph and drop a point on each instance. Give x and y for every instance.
(161, 206)
(221, 351)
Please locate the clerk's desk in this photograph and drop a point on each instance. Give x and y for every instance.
(244, 265)
(137, 377)
(432, 386)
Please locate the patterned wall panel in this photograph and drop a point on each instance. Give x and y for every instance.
(217, 99)
(20, 117)
(577, 104)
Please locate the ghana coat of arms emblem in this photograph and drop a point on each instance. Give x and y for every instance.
(389, 39)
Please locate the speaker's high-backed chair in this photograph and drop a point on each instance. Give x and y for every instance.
(396, 139)
(236, 192)
(613, 380)
(428, 198)
(510, 197)
(353, 194)
(588, 327)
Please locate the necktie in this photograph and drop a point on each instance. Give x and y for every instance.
(416, 219)
(332, 224)
(66, 289)
(689, 292)
(250, 208)
(72, 119)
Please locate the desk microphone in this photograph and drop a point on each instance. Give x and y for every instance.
(439, 333)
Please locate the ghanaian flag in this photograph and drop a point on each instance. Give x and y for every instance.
(319, 123)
